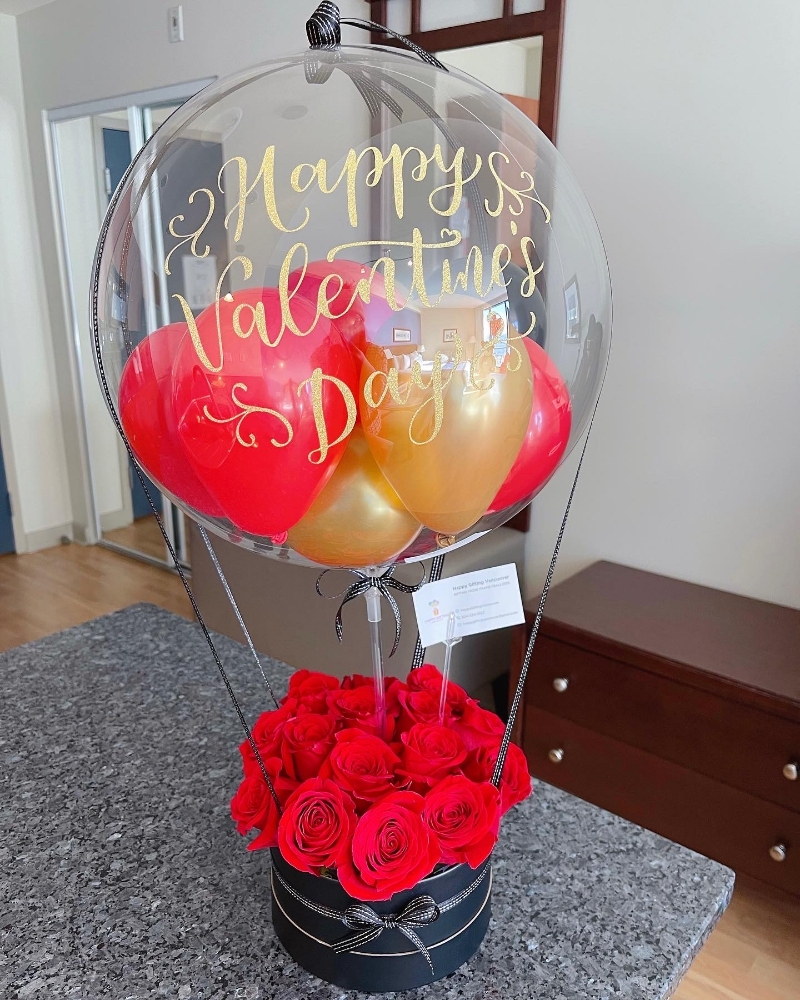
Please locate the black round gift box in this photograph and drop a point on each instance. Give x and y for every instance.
(390, 962)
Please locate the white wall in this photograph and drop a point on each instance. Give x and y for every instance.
(533, 70)
(679, 120)
(30, 424)
(503, 66)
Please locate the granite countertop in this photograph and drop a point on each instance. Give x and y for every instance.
(123, 876)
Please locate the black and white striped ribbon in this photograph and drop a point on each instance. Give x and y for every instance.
(436, 574)
(325, 32)
(497, 774)
(365, 582)
(369, 925)
(233, 603)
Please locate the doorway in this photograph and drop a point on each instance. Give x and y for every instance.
(93, 146)
(116, 147)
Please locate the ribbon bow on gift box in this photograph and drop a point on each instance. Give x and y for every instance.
(369, 925)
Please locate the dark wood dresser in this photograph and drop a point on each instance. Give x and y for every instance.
(674, 706)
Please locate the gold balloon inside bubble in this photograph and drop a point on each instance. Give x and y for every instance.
(449, 482)
(358, 519)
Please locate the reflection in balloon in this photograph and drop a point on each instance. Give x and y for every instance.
(356, 319)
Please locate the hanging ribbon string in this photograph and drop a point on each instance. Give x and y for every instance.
(364, 582)
(512, 715)
(324, 31)
(324, 34)
(143, 481)
(373, 96)
(236, 611)
(323, 27)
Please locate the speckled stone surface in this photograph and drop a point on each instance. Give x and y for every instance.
(122, 875)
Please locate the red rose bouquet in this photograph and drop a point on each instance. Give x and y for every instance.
(377, 810)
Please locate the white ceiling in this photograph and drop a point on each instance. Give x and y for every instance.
(20, 6)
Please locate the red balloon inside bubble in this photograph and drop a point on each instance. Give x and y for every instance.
(547, 435)
(145, 410)
(266, 430)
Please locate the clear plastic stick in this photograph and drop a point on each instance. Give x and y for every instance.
(374, 617)
(451, 640)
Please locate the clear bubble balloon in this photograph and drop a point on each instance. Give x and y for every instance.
(351, 308)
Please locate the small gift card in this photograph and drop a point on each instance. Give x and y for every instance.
(482, 601)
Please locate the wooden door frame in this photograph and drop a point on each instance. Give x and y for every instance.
(547, 23)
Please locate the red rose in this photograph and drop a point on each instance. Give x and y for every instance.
(363, 765)
(317, 826)
(420, 701)
(416, 707)
(357, 681)
(306, 743)
(465, 818)
(356, 709)
(267, 736)
(429, 678)
(310, 689)
(253, 806)
(515, 784)
(391, 685)
(430, 752)
(477, 726)
(393, 848)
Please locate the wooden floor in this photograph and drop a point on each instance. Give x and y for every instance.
(754, 954)
(54, 589)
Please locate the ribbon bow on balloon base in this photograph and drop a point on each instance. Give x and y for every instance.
(374, 585)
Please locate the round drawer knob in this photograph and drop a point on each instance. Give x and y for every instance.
(555, 756)
(778, 852)
(560, 684)
(791, 771)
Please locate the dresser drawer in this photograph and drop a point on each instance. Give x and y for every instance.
(707, 816)
(741, 746)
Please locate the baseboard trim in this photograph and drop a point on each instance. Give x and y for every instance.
(47, 538)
